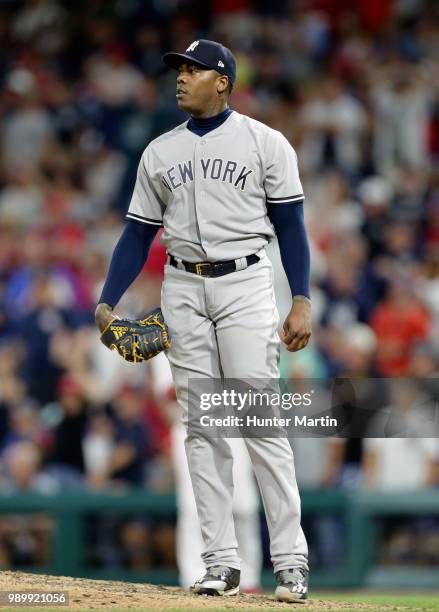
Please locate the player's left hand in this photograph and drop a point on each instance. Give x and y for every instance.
(297, 326)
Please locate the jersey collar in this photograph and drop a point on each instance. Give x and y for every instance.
(201, 127)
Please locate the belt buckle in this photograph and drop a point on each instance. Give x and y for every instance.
(199, 267)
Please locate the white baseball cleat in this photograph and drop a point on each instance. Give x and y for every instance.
(218, 580)
(292, 585)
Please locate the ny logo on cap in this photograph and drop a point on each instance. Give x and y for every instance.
(220, 63)
(193, 46)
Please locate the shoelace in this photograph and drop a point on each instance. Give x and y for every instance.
(215, 571)
(292, 576)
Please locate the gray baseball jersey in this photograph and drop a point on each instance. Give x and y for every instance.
(210, 192)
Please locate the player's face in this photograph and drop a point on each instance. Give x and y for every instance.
(197, 89)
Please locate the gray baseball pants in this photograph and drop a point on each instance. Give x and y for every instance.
(227, 327)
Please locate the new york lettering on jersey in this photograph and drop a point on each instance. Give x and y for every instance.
(226, 171)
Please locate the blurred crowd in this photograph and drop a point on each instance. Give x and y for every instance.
(354, 87)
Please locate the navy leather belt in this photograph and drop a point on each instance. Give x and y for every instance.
(208, 268)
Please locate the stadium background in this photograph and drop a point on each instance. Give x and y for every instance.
(354, 86)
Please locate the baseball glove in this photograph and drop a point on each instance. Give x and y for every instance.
(137, 340)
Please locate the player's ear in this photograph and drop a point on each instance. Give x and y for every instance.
(222, 84)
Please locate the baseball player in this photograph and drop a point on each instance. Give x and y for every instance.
(222, 185)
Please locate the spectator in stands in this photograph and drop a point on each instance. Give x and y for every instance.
(24, 425)
(403, 427)
(399, 322)
(43, 318)
(123, 463)
(402, 105)
(27, 128)
(334, 124)
(25, 539)
(23, 470)
(375, 194)
(356, 349)
(405, 461)
(98, 448)
(66, 458)
(131, 443)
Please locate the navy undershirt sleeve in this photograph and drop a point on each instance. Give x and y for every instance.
(289, 226)
(128, 259)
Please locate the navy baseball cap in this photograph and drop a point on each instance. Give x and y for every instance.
(208, 54)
